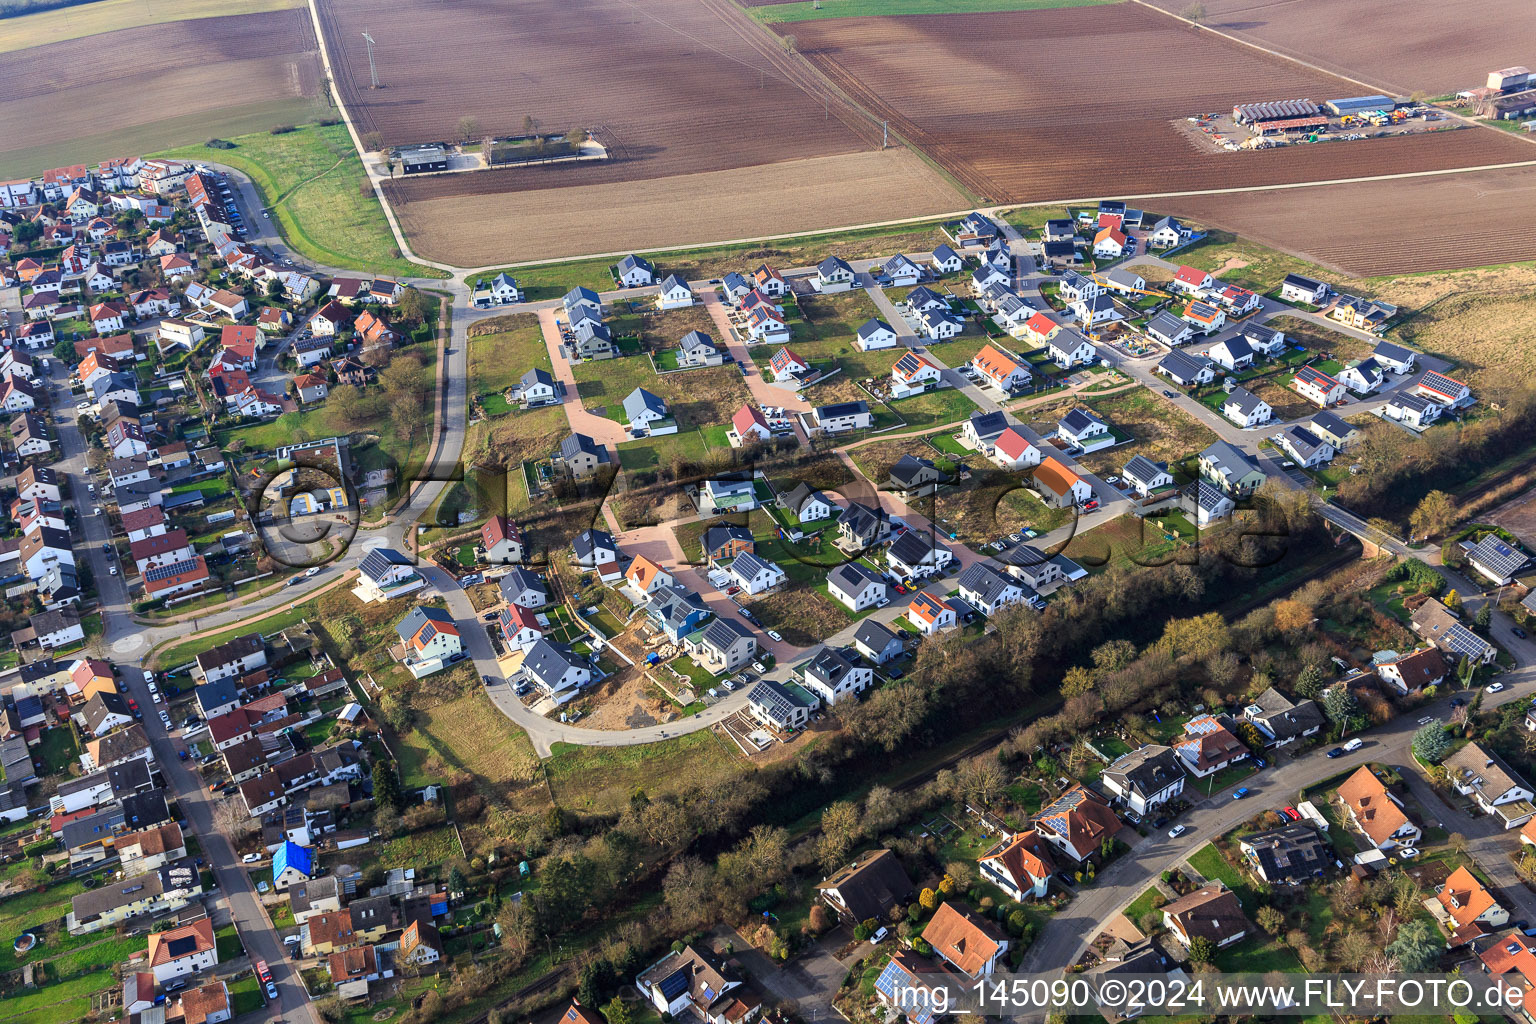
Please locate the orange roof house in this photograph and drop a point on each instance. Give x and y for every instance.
(1041, 327)
(1077, 823)
(968, 942)
(1374, 812)
(999, 369)
(1467, 910)
(645, 575)
(1059, 485)
(1019, 865)
(189, 940)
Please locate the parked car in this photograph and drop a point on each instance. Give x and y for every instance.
(1408, 852)
(1240, 793)
(1495, 687)
(1336, 752)
(1177, 831)
(1518, 632)
(1293, 814)
(774, 635)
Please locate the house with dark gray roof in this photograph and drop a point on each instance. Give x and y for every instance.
(1288, 855)
(779, 706)
(524, 588)
(1231, 469)
(1305, 447)
(556, 670)
(1145, 476)
(988, 590)
(915, 476)
(723, 646)
(1282, 720)
(1147, 777)
(634, 271)
(1185, 369)
(808, 504)
(835, 674)
(1245, 408)
(877, 642)
(916, 554)
(647, 413)
(861, 526)
(580, 456)
(698, 349)
(857, 586)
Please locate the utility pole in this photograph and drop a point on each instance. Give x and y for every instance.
(373, 71)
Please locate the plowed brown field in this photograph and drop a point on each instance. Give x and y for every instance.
(672, 86)
(1078, 102)
(1374, 228)
(1405, 45)
(180, 82)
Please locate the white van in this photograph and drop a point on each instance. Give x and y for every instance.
(1354, 744)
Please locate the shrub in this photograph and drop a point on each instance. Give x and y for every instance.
(219, 144)
(283, 129)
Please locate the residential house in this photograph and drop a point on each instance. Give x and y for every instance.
(1145, 476)
(877, 642)
(1282, 720)
(1204, 317)
(1229, 468)
(1288, 855)
(1021, 865)
(1478, 772)
(520, 627)
(875, 334)
(1145, 778)
(834, 674)
(916, 554)
(165, 890)
(1412, 672)
(1211, 912)
(1316, 386)
(769, 281)
(1233, 354)
(939, 325)
(385, 574)
(1167, 233)
(988, 590)
(857, 586)
(841, 417)
(1411, 410)
(915, 476)
(998, 370)
(914, 374)
(867, 888)
(596, 551)
(971, 944)
(724, 541)
(232, 659)
(900, 272)
(782, 707)
(1393, 357)
(1078, 823)
(501, 541)
(698, 349)
(1207, 746)
(833, 274)
(718, 496)
(930, 613)
(1109, 243)
(983, 429)
(695, 984)
(1245, 408)
(674, 293)
(1081, 428)
(1186, 370)
(754, 575)
(555, 670)
(537, 387)
(724, 645)
(1068, 348)
(647, 414)
(1297, 288)
(1363, 377)
(1305, 447)
(808, 505)
(862, 526)
(421, 946)
(1436, 623)
(181, 951)
(1059, 486)
(1375, 812)
(1498, 560)
(1190, 281)
(749, 424)
(1013, 451)
(634, 272)
(580, 456)
(324, 934)
(1465, 909)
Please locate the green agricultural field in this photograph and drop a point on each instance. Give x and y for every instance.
(806, 10)
(313, 181)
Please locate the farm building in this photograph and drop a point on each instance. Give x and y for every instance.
(1511, 79)
(421, 159)
(1355, 104)
(1274, 110)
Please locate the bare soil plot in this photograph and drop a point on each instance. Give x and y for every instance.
(58, 25)
(1287, 404)
(1405, 46)
(1454, 221)
(803, 615)
(1019, 105)
(1344, 347)
(488, 218)
(160, 86)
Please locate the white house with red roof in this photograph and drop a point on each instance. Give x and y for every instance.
(1190, 280)
(1020, 865)
(1109, 243)
(107, 317)
(785, 364)
(430, 640)
(748, 424)
(520, 627)
(913, 374)
(1442, 390)
(1012, 450)
(177, 578)
(1316, 386)
(930, 613)
(1001, 371)
(501, 541)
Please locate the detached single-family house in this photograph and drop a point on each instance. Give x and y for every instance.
(1363, 377)
(1375, 812)
(1287, 855)
(634, 272)
(1013, 451)
(1185, 369)
(1000, 371)
(749, 424)
(877, 642)
(914, 476)
(857, 586)
(1233, 354)
(835, 674)
(753, 574)
(1207, 746)
(945, 260)
(1145, 476)
(868, 888)
(1316, 386)
(875, 334)
(1083, 429)
(1210, 912)
(916, 554)
(930, 614)
(988, 590)
(555, 670)
(1167, 233)
(913, 374)
(502, 541)
(1414, 411)
(1412, 672)
(1478, 772)
(537, 387)
(1077, 823)
(1190, 281)
(647, 414)
(1497, 559)
(900, 272)
(1245, 408)
(1059, 486)
(1068, 348)
(1305, 447)
(841, 417)
(1394, 357)
(1282, 720)
(580, 456)
(724, 646)
(1296, 288)
(698, 349)
(968, 942)
(596, 551)
(1231, 469)
(938, 324)
(674, 293)
(1147, 777)
(834, 274)
(1020, 865)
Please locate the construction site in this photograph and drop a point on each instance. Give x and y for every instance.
(1274, 123)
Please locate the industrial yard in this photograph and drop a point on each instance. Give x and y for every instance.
(1275, 123)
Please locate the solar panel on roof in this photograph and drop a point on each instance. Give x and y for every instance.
(182, 946)
(673, 985)
(164, 572)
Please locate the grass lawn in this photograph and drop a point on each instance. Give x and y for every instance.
(601, 780)
(840, 315)
(466, 734)
(57, 749)
(501, 350)
(228, 942)
(310, 178)
(650, 452)
(704, 397)
(424, 849)
(1257, 954)
(245, 996)
(934, 408)
(1209, 862)
(63, 1000)
(1321, 339)
(1141, 904)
